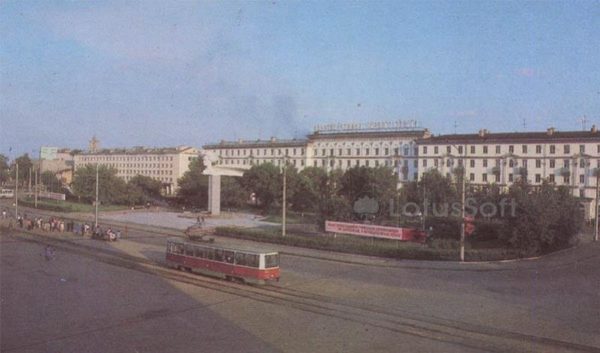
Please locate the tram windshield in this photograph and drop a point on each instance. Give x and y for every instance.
(271, 260)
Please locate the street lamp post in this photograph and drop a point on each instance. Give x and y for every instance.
(462, 201)
(596, 209)
(96, 218)
(17, 191)
(284, 198)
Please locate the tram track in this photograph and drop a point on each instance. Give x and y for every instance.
(471, 336)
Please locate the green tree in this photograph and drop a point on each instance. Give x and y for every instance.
(111, 189)
(378, 183)
(4, 169)
(193, 185)
(148, 186)
(311, 187)
(24, 165)
(233, 193)
(51, 182)
(264, 181)
(546, 219)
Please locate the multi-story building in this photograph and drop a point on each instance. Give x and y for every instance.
(166, 165)
(333, 146)
(562, 157)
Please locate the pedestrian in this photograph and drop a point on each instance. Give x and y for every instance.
(3, 214)
(49, 253)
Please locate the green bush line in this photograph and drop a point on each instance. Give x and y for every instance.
(65, 206)
(353, 245)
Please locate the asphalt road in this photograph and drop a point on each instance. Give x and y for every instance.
(83, 303)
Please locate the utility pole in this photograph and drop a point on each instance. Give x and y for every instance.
(35, 192)
(17, 192)
(284, 201)
(96, 218)
(596, 209)
(462, 212)
(29, 187)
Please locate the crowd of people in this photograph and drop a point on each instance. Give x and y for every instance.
(55, 224)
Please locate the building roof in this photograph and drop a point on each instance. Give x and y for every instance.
(143, 150)
(485, 137)
(417, 133)
(273, 142)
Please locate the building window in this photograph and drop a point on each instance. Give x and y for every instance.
(511, 149)
(460, 149)
(538, 149)
(387, 151)
(581, 179)
(497, 177)
(485, 149)
(567, 149)
(415, 163)
(472, 163)
(524, 163)
(377, 151)
(566, 179)
(511, 163)
(538, 163)
(448, 149)
(552, 163)
(358, 151)
(524, 148)
(367, 152)
(510, 177)
(367, 163)
(582, 149)
(485, 163)
(348, 152)
(566, 163)
(551, 178)
(552, 149)
(538, 178)
(436, 150)
(424, 163)
(424, 149)
(340, 151)
(472, 176)
(498, 149)
(472, 149)
(484, 177)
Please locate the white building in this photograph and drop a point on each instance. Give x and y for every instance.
(334, 146)
(166, 165)
(561, 157)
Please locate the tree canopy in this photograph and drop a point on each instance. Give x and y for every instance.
(193, 185)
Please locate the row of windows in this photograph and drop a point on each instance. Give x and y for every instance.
(145, 172)
(126, 158)
(511, 178)
(566, 163)
(511, 149)
(265, 152)
(359, 151)
(139, 165)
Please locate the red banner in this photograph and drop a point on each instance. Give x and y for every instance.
(368, 230)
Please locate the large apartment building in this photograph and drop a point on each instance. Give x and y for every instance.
(332, 146)
(166, 165)
(562, 157)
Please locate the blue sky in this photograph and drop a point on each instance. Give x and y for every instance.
(163, 73)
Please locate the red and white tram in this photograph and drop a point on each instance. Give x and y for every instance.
(247, 265)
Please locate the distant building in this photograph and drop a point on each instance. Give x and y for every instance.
(166, 165)
(562, 157)
(332, 146)
(58, 161)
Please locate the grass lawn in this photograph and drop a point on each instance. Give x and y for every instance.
(68, 206)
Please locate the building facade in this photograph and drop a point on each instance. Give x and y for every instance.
(166, 165)
(334, 146)
(568, 158)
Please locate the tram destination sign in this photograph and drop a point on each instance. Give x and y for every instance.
(375, 231)
(368, 126)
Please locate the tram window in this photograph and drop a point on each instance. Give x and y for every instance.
(169, 247)
(198, 251)
(210, 254)
(178, 249)
(252, 260)
(218, 255)
(240, 259)
(271, 260)
(229, 257)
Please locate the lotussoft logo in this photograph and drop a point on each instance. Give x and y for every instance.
(366, 205)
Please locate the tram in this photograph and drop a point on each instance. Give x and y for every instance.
(234, 264)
